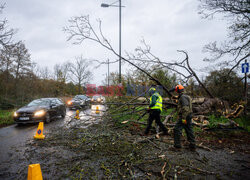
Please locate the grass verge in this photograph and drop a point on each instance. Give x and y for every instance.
(6, 117)
(242, 121)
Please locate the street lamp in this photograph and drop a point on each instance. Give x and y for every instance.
(120, 39)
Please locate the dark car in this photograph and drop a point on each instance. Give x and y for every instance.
(79, 101)
(98, 99)
(40, 110)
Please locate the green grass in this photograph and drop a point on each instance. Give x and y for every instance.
(214, 121)
(197, 129)
(243, 122)
(166, 112)
(6, 117)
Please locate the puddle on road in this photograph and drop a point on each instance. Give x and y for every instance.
(88, 117)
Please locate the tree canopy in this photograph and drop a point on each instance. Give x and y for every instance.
(237, 13)
(227, 87)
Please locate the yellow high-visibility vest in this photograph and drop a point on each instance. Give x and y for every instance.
(158, 104)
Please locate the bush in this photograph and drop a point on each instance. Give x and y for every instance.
(225, 86)
(5, 104)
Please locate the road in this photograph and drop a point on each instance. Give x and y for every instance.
(15, 136)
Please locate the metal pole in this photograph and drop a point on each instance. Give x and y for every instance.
(245, 91)
(108, 72)
(120, 40)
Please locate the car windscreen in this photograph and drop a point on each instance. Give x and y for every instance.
(39, 102)
(80, 97)
(96, 97)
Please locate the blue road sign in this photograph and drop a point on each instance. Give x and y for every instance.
(245, 68)
(39, 131)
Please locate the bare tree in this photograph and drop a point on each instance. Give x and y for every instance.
(16, 62)
(6, 68)
(80, 73)
(6, 62)
(15, 59)
(237, 12)
(80, 29)
(146, 58)
(6, 33)
(42, 72)
(21, 58)
(61, 71)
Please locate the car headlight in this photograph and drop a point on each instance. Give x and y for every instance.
(39, 113)
(15, 114)
(69, 102)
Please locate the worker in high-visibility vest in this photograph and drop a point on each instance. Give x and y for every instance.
(184, 120)
(154, 109)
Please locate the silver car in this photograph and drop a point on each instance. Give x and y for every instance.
(78, 102)
(98, 99)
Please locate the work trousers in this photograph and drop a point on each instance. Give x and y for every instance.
(188, 129)
(154, 114)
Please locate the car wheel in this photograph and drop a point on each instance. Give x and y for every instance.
(47, 118)
(82, 106)
(63, 113)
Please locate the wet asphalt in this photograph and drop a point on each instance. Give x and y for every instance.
(13, 141)
(15, 136)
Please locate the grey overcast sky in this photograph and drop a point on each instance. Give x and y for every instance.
(167, 25)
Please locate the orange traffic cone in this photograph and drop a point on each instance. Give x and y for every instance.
(97, 111)
(34, 172)
(39, 132)
(77, 114)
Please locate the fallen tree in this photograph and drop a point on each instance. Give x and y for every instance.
(81, 29)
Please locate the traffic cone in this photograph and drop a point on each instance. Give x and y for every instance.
(77, 114)
(97, 110)
(34, 172)
(39, 132)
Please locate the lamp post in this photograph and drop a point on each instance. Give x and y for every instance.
(120, 38)
(108, 72)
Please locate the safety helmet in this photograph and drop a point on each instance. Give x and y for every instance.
(179, 88)
(151, 90)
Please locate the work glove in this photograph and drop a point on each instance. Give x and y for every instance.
(175, 99)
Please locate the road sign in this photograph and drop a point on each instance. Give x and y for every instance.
(245, 67)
